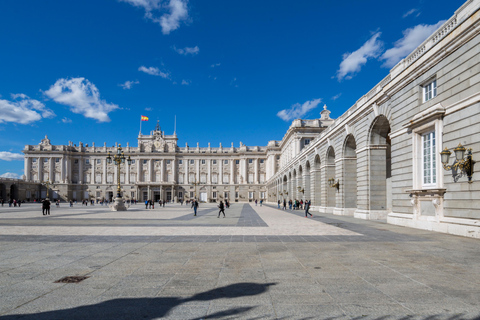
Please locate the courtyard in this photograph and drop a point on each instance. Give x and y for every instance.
(258, 262)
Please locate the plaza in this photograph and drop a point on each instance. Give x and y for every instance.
(259, 262)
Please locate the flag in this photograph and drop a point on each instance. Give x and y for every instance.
(144, 118)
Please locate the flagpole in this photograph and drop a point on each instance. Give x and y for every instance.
(140, 126)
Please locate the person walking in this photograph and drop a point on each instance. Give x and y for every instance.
(307, 207)
(195, 206)
(278, 204)
(284, 204)
(46, 207)
(222, 209)
(255, 201)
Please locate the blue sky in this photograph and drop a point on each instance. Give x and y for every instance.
(229, 71)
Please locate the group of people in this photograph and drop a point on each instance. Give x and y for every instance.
(150, 204)
(11, 202)
(221, 207)
(297, 205)
(261, 202)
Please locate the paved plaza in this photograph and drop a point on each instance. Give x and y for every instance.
(258, 262)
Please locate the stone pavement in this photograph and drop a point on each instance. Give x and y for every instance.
(257, 263)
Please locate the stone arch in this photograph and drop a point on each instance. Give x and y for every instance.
(380, 165)
(284, 186)
(307, 181)
(13, 191)
(3, 192)
(300, 184)
(350, 172)
(330, 174)
(317, 181)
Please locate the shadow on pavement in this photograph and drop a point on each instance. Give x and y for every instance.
(151, 308)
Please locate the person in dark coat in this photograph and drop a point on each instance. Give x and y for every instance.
(46, 207)
(222, 209)
(307, 207)
(195, 206)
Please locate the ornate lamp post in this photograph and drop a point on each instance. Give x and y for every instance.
(195, 184)
(333, 184)
(118, 159)
(47, 184)
(462, 166)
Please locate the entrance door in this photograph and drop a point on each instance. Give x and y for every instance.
(203, 197)
(110, 196)
(156, 196)
(169, 196)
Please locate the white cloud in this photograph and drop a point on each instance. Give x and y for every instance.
(298, 110)
(148, 109)
(353, 62)
(154, 71)
(23, 110)
(187, 50)
(82, 97)
(10, 175)
(128, 84)
(410, 12)
(9, 156)
(186, 82)
(412, 38)
(215, 65)
(167, 15)
(66, 120)
(335, 97)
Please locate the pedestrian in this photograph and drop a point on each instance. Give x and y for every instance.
(146, 204)
(165, 201)
(222, 209)
(255, 201)
(3, 202)
(71, 203)
(153, 204)
(261, 202)
(46, 207)
(278, 204)
(307, 207)
(194, 206)
(227, 203)
(284, 204)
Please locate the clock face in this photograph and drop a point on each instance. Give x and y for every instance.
(157, 144)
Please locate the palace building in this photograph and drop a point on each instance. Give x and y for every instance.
(379, 160)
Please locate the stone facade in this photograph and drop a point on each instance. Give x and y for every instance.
(384, 150)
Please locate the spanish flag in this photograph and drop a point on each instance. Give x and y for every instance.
(144, 118)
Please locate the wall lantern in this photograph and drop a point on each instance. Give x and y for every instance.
(300, 189)
(461, 166)
(285, 192)
(333, 184)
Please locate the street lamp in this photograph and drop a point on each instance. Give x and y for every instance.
(47, 184)
(300, 189)
(461, 166)
(118, 159)
(333, 184)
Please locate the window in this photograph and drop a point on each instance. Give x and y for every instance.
(133, 161)
(110, 178)
(428, 159)
(145, 161)
(237, 161)
(192, 161)
(262, 160)
(45, 159)
(430, 90)
(250, 160)
(180, 161)
(34, 160)
(214, 178)
(225, 195)
(180, 194)
(98, 178)
(99, 161)
(225, 161)
(250, 178)
(214, 195)
(250, 195)
(168, 161)
(236, 194)
(57, 159)
(214, 161)
(203, 161)
(226, 179)
(133, 178)
(87, 161)
(203, 178)
(76, 161)
(307, 141)
(180, 178)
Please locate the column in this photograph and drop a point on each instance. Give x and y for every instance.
(68, 172)
(162, 170)
(256, 171)
(127, 173)
(243, 170)
(104, 175)
(197, 169)
(232, 171)
(27, 165)
(92, 176)
(175, 170)
(209, 172)
(139, 172)
(80, 171)
(150, 172)
(62, 168)
(40, 169)
(220, 172)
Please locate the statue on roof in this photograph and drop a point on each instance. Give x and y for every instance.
(46, 141)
